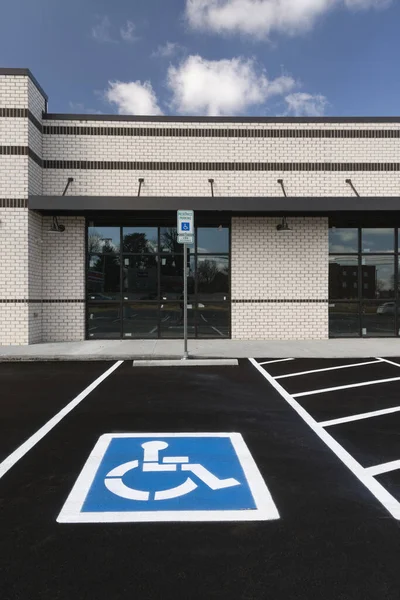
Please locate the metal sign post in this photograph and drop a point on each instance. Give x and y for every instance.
(185, 236)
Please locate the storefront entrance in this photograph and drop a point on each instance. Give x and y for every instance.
(134, 280)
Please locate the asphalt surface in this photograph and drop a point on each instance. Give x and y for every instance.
(334, 540)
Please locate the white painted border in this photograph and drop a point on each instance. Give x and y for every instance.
(360, 416)
(385, 498)
(270, 362)
(20, 452)
(265, 511)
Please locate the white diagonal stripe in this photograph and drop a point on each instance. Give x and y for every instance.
(359, 417)
(384, 468)
(370, 362)
(345, 387)
(270, 362)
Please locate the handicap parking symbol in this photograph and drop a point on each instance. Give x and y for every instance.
(169, 477)
(185, 226)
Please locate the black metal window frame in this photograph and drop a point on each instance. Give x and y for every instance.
(192, 252)
(360, 301)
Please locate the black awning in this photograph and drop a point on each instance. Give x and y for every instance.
(251, 204)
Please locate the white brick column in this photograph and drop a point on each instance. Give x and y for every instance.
(279, 280)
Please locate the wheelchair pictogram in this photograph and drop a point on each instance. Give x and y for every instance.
(151, 463)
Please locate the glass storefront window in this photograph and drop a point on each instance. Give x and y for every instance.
(104, 240)
(344, 319)
(171, 319)
(378, 319)
(104, 321)
(343, 277)
(213, 277)
(213, 240)
(103, 278)
(140, 277)
(377, 277)
(135, 282)
(140, 320)
(343, 240)
(213, 320)
(140, 240)
(169, 241)
(377, 240)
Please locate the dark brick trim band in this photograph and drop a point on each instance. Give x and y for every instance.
(21, 151)
(222, 133)
(107, 165)
(21, 113)
(285, 301)
(13, 203)
(34, 301)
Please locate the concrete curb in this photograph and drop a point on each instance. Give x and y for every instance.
(191, 362)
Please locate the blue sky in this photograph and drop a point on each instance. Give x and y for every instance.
(209, 57)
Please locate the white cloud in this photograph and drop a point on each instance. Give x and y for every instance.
(101, 32)
(301, 104)
(127, 32)
(260, 17)
(167, 50)
(222, 87)
(133, 98)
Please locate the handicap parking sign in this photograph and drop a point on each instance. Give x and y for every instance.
(169, 477)
(185, 226)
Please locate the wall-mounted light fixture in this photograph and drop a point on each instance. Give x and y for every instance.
(283, 226)
(211, 182)
(69, 181)
(141, 182)
(351, 184)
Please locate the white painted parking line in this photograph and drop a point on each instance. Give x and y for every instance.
(20, 452)
(390, 362)
(370, 362)
(270, 362)
(360, 417)
(345, 387)
(218, 331)
(380, 493)
(394, 465)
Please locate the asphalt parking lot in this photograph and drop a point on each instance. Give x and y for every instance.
(323, 435)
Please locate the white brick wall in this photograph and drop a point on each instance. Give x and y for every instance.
(13, 91)
(182, 183)
(63, 322)
(271, 265)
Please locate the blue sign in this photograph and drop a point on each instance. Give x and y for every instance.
(169, 477)
(185, 226)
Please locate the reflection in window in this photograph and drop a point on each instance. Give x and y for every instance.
(344, 319)
(103, 277)
(378, 319)
(213, 320)
(378, 274)
(213, 275)
(104, 240)
(343, 282)
(169, 240)
(343, 240)
(140, 240)
(140, 277)
(104, 321)
(213, 240)
(171, 274)
(377, 240)
(140, 321)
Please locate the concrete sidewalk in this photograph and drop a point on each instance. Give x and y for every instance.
(145, 349)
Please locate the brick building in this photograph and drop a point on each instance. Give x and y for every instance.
(113, 185)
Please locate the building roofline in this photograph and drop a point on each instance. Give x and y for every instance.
(196, 119)
(26, 73)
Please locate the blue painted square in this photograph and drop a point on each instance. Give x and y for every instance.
(185, 226)
(216, 454)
